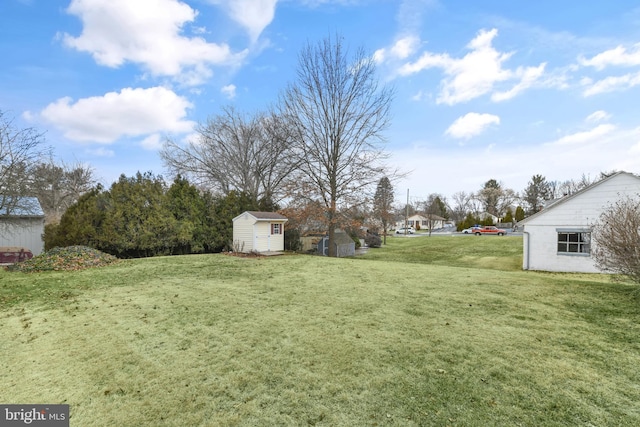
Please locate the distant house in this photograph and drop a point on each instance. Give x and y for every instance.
(259, 232)
(426, 221)
(558, 238)
(487, 215)
(22, 224)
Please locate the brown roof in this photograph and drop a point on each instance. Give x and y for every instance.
(266, 215)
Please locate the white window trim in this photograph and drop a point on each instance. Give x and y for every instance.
(574, 230)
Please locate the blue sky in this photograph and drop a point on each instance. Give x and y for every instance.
(484, 90)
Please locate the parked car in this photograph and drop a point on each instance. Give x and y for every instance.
(489, 229)
(409, 230)
(11, 254)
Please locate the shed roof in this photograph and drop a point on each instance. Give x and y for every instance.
(342, 238)
(20, 207)
(264, 216)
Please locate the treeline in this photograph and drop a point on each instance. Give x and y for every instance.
(142, 216)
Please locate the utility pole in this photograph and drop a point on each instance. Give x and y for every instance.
(406, 214)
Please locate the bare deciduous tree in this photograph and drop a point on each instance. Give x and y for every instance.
(462, 205)
(58, 185)
(249, 154)
(495, 198)
(19, 150)
(564, 188)
(338, 113)
(616, 239)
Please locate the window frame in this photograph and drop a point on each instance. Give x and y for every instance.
(276, 228)
(581, 242)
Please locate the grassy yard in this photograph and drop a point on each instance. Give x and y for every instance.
(428, 331)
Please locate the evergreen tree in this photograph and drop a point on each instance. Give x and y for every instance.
(537, 192)
(138, 222)
(191, 210)
(383, 205)
(508, 217)
(81, 224)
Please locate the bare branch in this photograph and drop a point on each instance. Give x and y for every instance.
(338, 113)
(19, 150)
(236, 152)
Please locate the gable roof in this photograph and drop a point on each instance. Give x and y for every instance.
(342, 238)
(264, 216)
(565, 199)
(20, 207)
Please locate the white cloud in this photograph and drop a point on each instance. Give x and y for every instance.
(585, 137)
(130, 112)
(101, 152)
(598, 116)
(610, 84)
(418, 96)
(253, 15)
(528, 77)
(229, 91)
(148, 34)
(401, 49)
(476, 73)
(616, 57)
(471, 124)
(152, 142)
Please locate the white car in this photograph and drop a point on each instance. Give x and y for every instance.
(409, 230)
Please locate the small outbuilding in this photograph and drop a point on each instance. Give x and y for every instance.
(558, 238)
(345, 246)
(22, 224)
(255, 231)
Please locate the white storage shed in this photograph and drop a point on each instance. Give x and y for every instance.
(255, 231)
(22, 225)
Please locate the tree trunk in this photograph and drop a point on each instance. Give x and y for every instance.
(333, 250)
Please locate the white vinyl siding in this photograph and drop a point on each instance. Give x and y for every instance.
(243, 233)
(24, 233)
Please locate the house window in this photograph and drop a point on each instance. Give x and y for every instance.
(410, 223)
(425, 222)
(574, 242)
(276, 228)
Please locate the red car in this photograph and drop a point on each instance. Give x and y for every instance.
(489, 229)
(11, 255)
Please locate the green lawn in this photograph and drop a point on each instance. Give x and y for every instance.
(443, 331)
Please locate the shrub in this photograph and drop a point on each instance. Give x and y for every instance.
(616, 239)
(292, 240)
(373, 240)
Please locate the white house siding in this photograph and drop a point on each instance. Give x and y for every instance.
(243, 232)
(23, 232)
(541, 252)
(580, 212)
